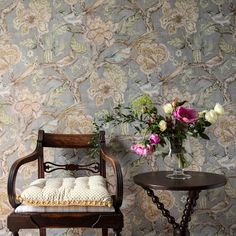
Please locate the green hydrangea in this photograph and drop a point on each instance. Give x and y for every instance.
(142, 103)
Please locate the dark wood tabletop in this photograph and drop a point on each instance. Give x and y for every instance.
(198, 181)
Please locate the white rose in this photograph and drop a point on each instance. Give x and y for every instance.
(162, 125)
(211, 116)
(168, 109)
(202, 113)
(219, 109)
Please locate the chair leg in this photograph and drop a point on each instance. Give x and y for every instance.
(42, 232)
(117, 232)
(104, 232)
(15, 234)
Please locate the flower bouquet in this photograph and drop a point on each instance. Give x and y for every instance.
(171, 125)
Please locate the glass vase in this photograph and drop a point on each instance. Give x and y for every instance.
(178, 158)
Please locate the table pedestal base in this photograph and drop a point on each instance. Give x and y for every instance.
(178, 232)
(180, 229)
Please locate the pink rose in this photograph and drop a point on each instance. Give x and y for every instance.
(154, 139)
(186, 115)
(142, 150)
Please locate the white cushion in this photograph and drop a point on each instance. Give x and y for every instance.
(27, 208)
(81, 191)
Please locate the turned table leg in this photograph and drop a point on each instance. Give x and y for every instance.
(180, 229)
(188, 210)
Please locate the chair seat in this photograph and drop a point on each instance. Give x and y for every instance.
(82, 202)
(26, 208)
(61, 192)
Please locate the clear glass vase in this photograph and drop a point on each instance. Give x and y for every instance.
(178, 158)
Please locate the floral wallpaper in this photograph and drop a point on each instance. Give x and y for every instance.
(64, 62)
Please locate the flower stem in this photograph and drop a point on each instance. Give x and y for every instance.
(181, 160)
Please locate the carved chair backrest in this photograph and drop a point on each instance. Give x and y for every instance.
(69, 141)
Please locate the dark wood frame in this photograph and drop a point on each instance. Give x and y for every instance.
(198, 182)
(32, 220)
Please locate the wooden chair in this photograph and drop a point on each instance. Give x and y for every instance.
(43, 220)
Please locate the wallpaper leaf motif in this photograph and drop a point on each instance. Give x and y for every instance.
(76, 46)
(10, 56)
(225, 47)
(63, 62)
(177, 43)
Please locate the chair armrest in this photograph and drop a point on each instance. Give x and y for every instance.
(12, 177)
(119, 178)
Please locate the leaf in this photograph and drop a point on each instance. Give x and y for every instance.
(225, 47)
(4, 118)
(230, 190)
(60, 29)
(208, 29)
(129, 22)
(207, 123)
(29, 43)
(204, 136)
(137, 128)
(177, 43)
(197, 57)
(77, 47)
(181, 103)
(55, 93)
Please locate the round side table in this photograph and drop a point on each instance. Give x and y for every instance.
(198, 181)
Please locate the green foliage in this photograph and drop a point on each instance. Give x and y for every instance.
(143, 102)
(94, 151)
(144, 117)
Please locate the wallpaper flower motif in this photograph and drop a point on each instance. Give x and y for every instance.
(79, 122)
(184, 14)
(10, 55)
(112, 86)
(149, 209)
(226, 131)
(4, 207)
(99, 31)
(37, 15)
(151, 56)
(62, 63)
(28, 104)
